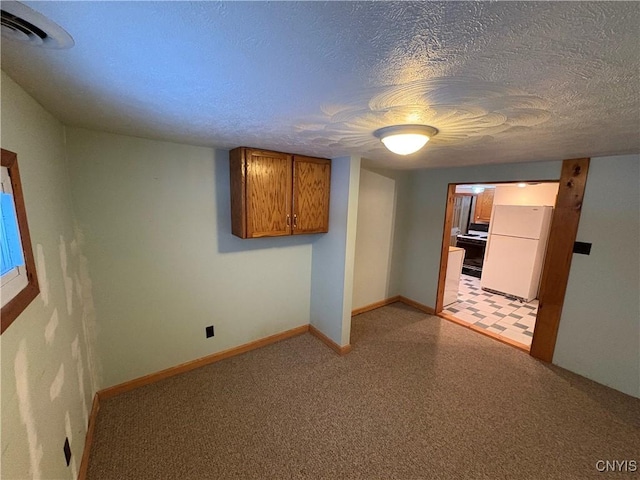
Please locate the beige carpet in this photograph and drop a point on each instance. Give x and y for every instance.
(418, 397)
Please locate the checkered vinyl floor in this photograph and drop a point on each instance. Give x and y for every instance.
(503, 316)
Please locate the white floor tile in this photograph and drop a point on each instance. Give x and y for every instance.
(518, 337)
(513, 328)
(506, 310)
(528, 321)
(494, 330)
(466, 316)
(508, 322)
(493, 319)
(486, 307)
(500, 304)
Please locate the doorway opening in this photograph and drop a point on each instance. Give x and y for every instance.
(498, 241)
(525, 227)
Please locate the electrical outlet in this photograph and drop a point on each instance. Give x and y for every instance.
(209, 331)
(67, 451)
(582, 247)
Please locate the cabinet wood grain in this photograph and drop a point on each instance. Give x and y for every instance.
(238, 184)
(268, 194)
(275, 193)
(484, 206)
(311, 182)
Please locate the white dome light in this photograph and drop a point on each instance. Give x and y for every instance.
(405, 139)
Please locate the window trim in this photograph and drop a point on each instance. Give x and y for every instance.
(17, 304)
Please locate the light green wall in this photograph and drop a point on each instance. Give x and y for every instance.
(334, 255)
(156, 221)
(599, 335)
(49, 373)
(600, 325)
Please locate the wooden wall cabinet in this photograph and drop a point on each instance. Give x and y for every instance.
(275, 193)
(484, 205)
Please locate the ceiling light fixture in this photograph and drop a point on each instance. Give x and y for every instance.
(405, 139)
(522, 185)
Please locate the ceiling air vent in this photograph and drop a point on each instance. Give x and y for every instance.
(21, 23)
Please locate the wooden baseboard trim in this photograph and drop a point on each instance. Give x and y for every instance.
(373, 306)
(419, 306)
(328, 342)
(200, 362)
(484, 332)
(88, 441)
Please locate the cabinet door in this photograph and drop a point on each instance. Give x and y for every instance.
(311, 185)
(268, 193)
(485, 205)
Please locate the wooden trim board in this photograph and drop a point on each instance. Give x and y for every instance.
(389, 301)
(484, 332)
(328, 342)
(444, 250)
(84, 464)
(200, 362)
(22, 299)
(419, 306)
(557, 261)
(373, 306)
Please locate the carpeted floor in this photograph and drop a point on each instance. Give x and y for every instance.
(417, 398)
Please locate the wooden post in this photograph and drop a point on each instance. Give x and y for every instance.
(555, 273)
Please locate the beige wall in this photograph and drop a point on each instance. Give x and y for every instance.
(382, 223)
(374, 238)
(49, 370)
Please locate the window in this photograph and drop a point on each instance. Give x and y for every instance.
(14, 275)
(19, 281)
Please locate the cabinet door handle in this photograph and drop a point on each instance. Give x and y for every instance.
(288, 220)
(295, 220)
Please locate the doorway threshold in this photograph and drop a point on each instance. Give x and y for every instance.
(485, 332)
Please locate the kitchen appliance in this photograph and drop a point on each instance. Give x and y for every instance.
(515, 250)
(452, 279)
(473, 242)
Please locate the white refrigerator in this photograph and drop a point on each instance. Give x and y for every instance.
(515, 250)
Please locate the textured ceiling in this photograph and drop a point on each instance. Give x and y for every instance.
(502, 81)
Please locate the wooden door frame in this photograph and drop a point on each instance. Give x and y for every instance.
(557, 261)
